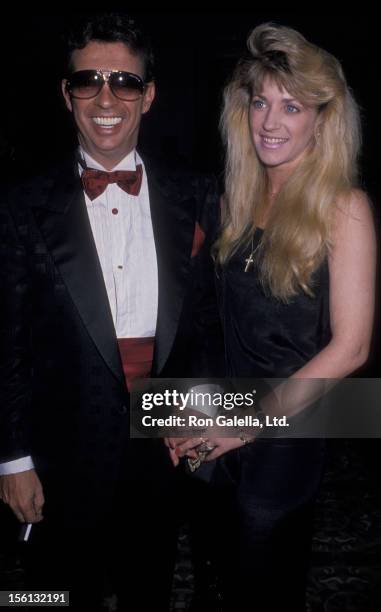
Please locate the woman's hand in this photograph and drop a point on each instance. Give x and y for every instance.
(181, 447)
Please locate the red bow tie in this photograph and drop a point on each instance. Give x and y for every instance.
(95, 181)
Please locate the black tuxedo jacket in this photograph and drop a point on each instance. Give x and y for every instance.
(63, 395)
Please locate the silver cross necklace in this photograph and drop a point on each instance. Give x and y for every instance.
(250, 260)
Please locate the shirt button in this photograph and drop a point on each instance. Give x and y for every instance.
(115, 211)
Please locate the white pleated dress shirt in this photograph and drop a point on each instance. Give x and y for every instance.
(123, 234)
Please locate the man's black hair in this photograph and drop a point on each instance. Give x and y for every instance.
(111, 27)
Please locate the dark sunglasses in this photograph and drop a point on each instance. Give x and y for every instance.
(86, 84)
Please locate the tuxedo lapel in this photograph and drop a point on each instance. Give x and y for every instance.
(173, 214)
(63, 220)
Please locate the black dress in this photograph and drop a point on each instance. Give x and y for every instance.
(265, 337)
(265, 506)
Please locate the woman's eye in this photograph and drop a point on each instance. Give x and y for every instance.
(290, 108)
(258, 104)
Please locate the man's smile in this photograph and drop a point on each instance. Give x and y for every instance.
(107, 121)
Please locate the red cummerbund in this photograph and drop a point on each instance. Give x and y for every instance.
(137, 356)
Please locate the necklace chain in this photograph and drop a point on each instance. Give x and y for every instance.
(249, 261)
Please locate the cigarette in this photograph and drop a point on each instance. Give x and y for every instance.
(25, 532)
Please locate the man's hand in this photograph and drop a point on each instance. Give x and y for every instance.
(173, 445)
(24, 495)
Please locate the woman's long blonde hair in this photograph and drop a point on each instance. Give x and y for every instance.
(298, 232)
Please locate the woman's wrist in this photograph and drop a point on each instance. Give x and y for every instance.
(245, 437)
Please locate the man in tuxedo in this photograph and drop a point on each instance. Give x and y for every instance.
(105, 277)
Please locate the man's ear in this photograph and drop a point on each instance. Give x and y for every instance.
(66, 95)
(148, 97)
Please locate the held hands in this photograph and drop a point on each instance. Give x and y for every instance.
(181, 447)
(24, 495)
(207, 447)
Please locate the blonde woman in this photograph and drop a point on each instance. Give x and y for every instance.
(296, 275)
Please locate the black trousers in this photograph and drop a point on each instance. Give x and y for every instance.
(253, 522)
(132, 549)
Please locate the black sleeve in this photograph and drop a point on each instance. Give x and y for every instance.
(15, 367)
(208, 346)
